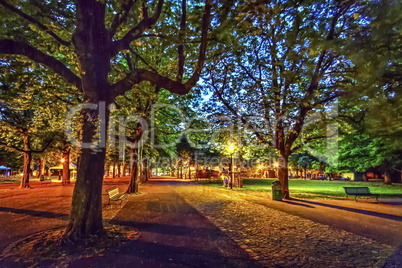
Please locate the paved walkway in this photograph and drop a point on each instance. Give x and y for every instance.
(173, 234)
(232, 230)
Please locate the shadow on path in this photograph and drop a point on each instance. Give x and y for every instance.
(35, 213)
(168, 229)
(172, 234)
(355, 210)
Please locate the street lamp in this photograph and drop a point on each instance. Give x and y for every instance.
(231, 150)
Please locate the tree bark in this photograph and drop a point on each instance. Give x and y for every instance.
(107, 170)
(124, 168)
(146, 170)
(283, 176)
(133, 186)
(27, 163)
(92, 46)
(27, 170)
(41, 167)
(114, 171)
(66, 165)
(387, 178)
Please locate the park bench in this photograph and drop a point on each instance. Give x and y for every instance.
(115, 195)
(359, 191)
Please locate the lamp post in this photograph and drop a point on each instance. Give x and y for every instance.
(231, 150)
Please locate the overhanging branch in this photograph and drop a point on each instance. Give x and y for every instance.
(139, 75)
(34, 21)
(12, 47)
(137, 30)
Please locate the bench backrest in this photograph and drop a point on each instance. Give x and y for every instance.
(113, 191)
(357, 190)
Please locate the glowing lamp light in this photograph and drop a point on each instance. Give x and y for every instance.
(62, 160)
(231, 148)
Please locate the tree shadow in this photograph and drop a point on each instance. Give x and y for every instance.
(297, 204)
(355, 210)
(35, 213)
(168, 229)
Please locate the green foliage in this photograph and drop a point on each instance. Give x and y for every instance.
(359, 152)
(293, 64)
(10, 159)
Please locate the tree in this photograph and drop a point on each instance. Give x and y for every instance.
(30, 122)
(294, 66)
(84, 43)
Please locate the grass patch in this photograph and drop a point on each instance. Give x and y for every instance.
(311, 189)
(9, 181)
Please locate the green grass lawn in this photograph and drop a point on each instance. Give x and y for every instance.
(316, 188)
(11, 181)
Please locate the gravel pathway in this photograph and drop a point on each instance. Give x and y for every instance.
(278, 239)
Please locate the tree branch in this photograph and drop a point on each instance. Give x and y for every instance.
(136, 31)
(34, 21)
(218, 93)
(120, 17)
(143, 60)
(206, 20)
(8, 46)
(139, 75)
(180, 48)
(13, 148)
(311, 139)
(43, 148)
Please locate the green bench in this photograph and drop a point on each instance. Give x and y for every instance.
(359, 191)
(115, 195)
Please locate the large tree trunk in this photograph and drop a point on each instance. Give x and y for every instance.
(92, 46)
(387, 178)
(133, 186)
(283, 176)
(66, 165)
(124, 168)
(107, 171)
(146, 170)
(86, 210)
(41, 167)
(26, 171)
(27, 163)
